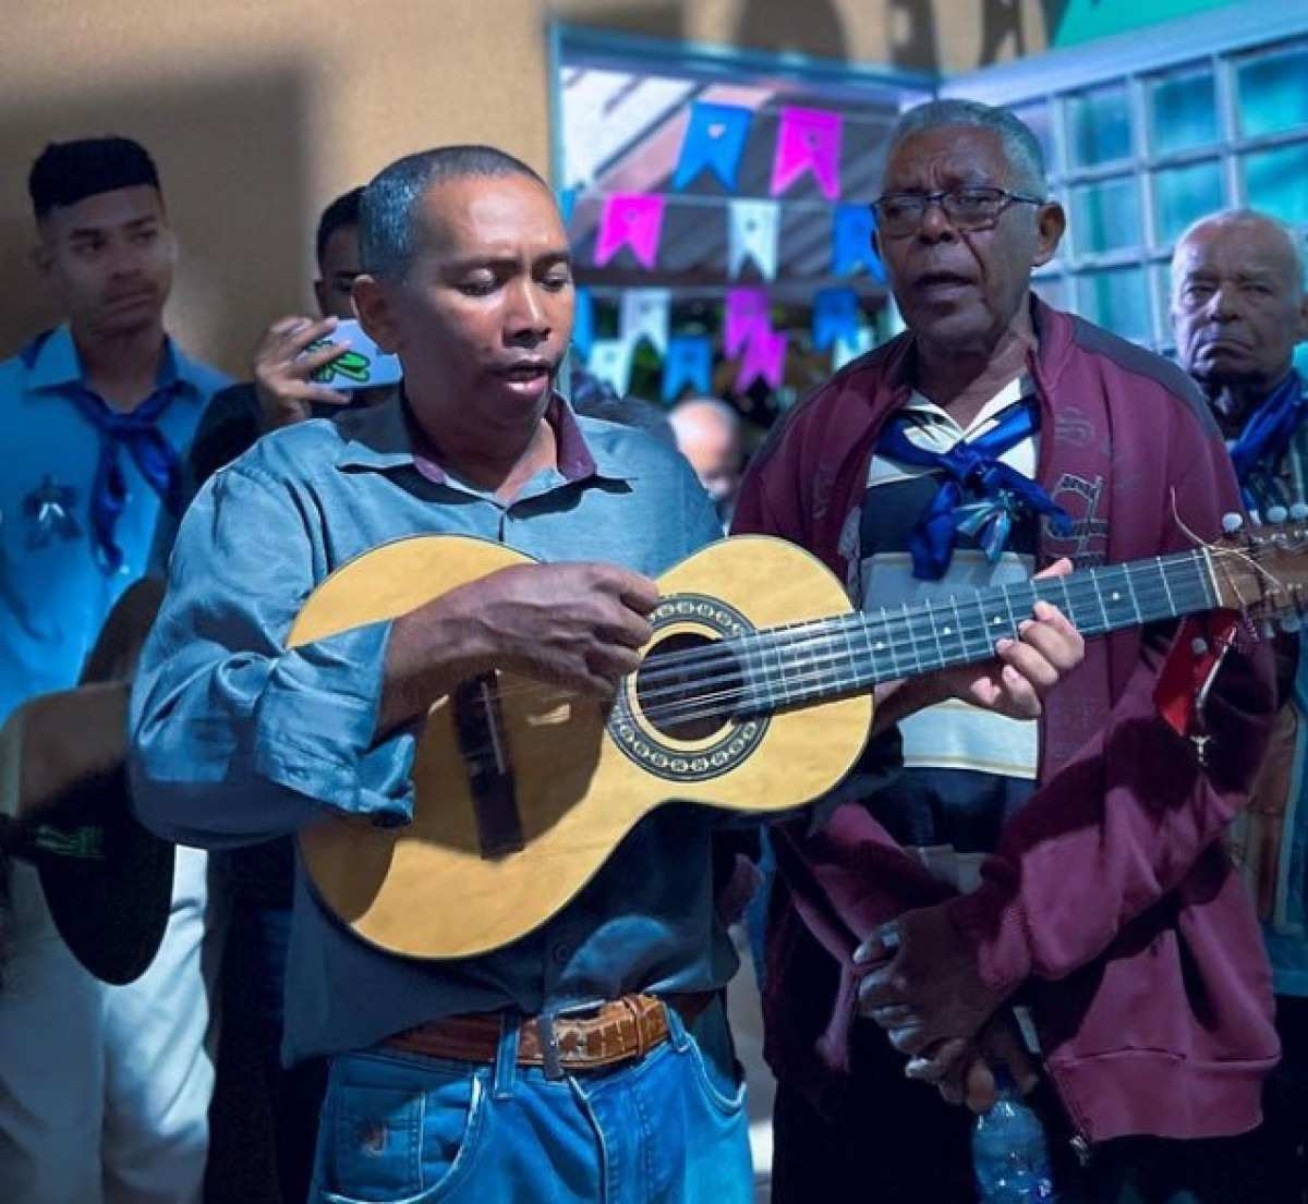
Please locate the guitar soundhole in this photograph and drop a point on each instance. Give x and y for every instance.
(684, 696)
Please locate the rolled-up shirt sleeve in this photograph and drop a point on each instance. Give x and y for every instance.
(234, 737)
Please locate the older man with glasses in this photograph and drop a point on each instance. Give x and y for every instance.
(1050, 899)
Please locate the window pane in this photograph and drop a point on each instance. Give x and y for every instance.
(1052, 290)
(1039, 120)
(1272, 91)
(1118, 299)
(1099, 126)
(1277, 181)
(1106, 216)
(1162, 273)
(1184, 194)
(1183, 112)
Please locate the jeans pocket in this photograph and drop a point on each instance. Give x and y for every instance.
(406, 1141)
(721, 1081)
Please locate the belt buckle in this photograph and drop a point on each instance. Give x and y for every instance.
(549, 1046)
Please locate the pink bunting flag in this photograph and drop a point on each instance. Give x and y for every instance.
(808, 140)
(764, 359)
(746, 313)
(630, 219)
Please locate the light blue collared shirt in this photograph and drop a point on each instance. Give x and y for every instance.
(54, 592)
(236, 739)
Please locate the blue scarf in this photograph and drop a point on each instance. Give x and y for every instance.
(139, 433)
(972, 470)
(1267, 433)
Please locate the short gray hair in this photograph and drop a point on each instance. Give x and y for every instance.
(1021, 147)
(1249, 217)
(386, 212)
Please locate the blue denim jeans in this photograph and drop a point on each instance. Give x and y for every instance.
(670, 1129)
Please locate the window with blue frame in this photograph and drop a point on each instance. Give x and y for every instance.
(1136, 155)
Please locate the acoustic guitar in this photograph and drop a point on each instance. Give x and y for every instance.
(753, 695)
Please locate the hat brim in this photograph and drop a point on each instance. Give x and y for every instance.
(107, 880)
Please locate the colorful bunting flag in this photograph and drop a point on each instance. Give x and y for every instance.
(644, 314)
(764, 359)
(689, 362)
(634, 220)
(610, 362)
(567, 198)
(746, 311)
(583, 322)
(808, 140)
(715, 139)
(851, 242)
(851, 346)
(835, 316)
(752, 234)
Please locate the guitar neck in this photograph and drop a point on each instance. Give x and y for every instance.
(831, 658)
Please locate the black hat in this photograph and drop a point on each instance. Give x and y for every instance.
(107, 880)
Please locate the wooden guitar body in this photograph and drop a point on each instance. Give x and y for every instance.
(523, 790)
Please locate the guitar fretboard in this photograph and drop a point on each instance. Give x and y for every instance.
(829, 658)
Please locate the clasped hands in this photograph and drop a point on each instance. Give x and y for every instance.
(925, 988)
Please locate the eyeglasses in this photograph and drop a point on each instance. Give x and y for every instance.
(901, 213)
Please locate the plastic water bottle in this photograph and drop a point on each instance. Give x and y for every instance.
(1010, 1157)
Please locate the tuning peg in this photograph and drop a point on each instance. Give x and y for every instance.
(1299, 512)
(1232, 523)
(1267, 629)
(1290, 624)
(1277, 514)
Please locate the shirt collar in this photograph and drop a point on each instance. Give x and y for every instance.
(53, 362)
(387, 437)
(1016, 390)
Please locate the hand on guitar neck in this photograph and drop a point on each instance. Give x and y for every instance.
(578, 626)
(1015, 683)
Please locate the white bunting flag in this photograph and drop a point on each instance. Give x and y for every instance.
(644, 314)
(752, 234)
(610, 362)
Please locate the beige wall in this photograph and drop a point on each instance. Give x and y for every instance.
(258, 112)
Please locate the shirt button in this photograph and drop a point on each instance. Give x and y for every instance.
(562, 954)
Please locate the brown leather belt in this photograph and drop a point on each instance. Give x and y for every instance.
(622, 1030)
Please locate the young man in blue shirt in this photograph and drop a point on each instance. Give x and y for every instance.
(103, 1090)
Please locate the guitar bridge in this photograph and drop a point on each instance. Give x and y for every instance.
(478, 723)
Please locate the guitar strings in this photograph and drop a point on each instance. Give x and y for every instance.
(813, 669)
(820, 635)
(895, 626)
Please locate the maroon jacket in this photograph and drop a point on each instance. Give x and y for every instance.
(1111, 897)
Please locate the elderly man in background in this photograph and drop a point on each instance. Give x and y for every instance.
(1238, 309)
(708, 434)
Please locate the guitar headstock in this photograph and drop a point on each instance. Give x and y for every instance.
(1262, 568)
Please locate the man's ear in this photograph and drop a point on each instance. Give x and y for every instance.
(1051, 221)
(373, 302)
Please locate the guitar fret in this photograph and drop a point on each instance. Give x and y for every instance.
(885, 643)
(935, 632)
(1166, 585)
(962, 628)
(781, 687)
(851, 653)
(917, 665)
(1099, 597)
